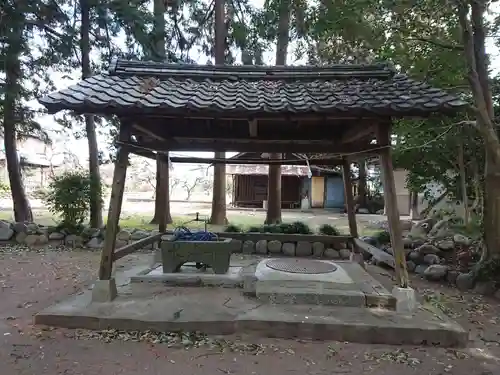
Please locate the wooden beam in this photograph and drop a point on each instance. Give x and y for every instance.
(130, 248)
(255, 145)
(191, 160)
(391, 205)
(356, 133)
(115, 205)
(148, 132)
(252, 128)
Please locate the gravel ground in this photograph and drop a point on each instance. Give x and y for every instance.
(31, 281)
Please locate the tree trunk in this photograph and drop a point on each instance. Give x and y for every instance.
(274, 175)
(95, 177)
(22, 210)
(473, 35)
(273, 215)
(162, 173)
(362, 190)
(219, 187)
(162, 185)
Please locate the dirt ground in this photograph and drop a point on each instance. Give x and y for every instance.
(31, 281)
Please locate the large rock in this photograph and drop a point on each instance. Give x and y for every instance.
(56, 236)
(415, 256)
(31, 239)
(487, 288)
(139, 235)
(331, 254)
(451, 277)
(441, 229)
(410, 266)
(124, 235)
(303, 249)
(420, 269)
(461, 240)
(445, 245)
(318, 249)
(465, 281)
(32, 228)
(370, 240)
(261, 247)
(6, 231)
(95, 243)
(74, 240)
(20, 227)
(436, 272)
(20, 237)
(363, 211)
(248, 247)
(288, 248)
(345, 253)
(431, 259)
(427, 249)
(43, 239)
(274, 247)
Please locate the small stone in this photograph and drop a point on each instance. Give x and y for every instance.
(124, 235)
(261, 247)
(95, 243)
(345, 253)
(451, 277)
(414, 256)
(303, 249)
(370, 240)
(274, 247)
(427, 249)
(461, 240)
(31, 239)
(445, 245)
(485, 288)
(56, 236)
(465, 281)
(318, 249)
(436, 272)
(20, 227)
(236, 244)
(139, 235)
(20, 237)
(43, 239)
(32, 228)
(431, 259)
(420, 269)
(288, 248)
(410, 266)
(331, 254)
(73, 240)
(248, 247)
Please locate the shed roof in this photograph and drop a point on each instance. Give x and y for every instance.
(136, 87)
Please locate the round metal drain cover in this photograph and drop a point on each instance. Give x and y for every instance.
(306, 266)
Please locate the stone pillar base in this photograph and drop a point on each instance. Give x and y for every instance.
(406, 299)
(104, 290)
(357, 258)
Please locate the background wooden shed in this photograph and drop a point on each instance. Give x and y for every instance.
(324, 189)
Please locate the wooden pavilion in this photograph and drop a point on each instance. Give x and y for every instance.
(342, 110)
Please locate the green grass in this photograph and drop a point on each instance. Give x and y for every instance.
(141, 221)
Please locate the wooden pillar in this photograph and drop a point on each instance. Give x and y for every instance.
(391, 205)
(115, 204)
(163, 193)
(351, 215)
(274, 192)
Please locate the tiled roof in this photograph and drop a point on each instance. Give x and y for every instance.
(157, 88)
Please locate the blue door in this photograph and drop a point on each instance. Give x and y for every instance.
(334, 192)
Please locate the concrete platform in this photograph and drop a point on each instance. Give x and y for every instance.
(226, 311)
(220, 311)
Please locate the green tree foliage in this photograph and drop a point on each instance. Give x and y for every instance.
(69, 195)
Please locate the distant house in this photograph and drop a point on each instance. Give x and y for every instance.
(32, 153)
(324, 189)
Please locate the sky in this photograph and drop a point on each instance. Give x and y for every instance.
(80, 146)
